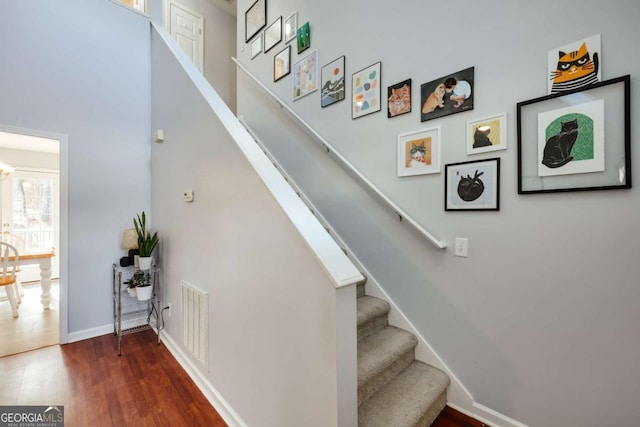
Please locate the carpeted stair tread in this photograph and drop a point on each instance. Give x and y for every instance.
(370, 308)
(380, 350)
(414, 398)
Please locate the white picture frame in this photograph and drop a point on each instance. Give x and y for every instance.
(419, 152)
(256, 46)
(492, 134)
(290, 27)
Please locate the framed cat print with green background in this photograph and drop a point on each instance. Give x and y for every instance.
(577, 140)
(419, 152)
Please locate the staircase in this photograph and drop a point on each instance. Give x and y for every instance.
(394, 389)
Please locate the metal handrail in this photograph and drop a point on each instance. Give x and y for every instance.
(401, 214)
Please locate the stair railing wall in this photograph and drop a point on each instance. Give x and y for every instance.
(402, 215)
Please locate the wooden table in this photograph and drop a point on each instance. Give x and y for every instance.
(42, 257)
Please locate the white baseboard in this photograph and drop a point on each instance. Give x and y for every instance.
(213, 396)
(90, 333)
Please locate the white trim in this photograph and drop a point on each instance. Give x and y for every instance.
(199, 378)
(332, 260)
(85, 334)
(440, 244)
(63, 251)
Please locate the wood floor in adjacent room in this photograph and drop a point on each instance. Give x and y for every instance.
(144, 387)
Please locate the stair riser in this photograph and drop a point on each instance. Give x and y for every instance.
(374, 384)
(433, 411)
(372, 326)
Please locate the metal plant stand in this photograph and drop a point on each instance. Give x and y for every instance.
(129, 314)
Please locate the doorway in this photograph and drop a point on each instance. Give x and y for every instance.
(32, 213)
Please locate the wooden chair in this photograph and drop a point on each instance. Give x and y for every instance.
(8, 269)
(18, 243)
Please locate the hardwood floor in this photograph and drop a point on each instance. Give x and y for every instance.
(144, 387)
(449, 417)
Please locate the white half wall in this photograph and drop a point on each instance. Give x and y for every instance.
(539, 322)
(272, 308)
(81, 69)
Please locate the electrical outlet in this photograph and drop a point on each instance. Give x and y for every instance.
(462, 247)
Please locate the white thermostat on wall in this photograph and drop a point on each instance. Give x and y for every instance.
(188, 195)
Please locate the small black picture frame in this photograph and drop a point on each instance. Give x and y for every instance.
(273, 34)
(255, 19)
(576, 141)
(282, 63)
(472, 186)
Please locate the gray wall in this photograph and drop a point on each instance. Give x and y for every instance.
(81, 68)
(539, 323)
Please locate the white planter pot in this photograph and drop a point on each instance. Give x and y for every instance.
(144, 292)
(144, 263)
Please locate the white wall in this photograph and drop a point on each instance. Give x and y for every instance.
(219, 44)
(81, 68)
(272, 309)
(539, 322)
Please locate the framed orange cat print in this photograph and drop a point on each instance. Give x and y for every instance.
(574, 65)
(399, 98)
(419, 152)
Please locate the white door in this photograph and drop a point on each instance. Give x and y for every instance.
(187, 27)
(30, 210)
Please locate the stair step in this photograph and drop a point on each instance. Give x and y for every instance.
(413, 399)
(372, 315)
(381, 356)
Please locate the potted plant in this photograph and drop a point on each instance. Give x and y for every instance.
(144, 290)
(146, 241)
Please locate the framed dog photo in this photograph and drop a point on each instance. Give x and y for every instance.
(447, 95)
(472, 186)
(419, 152)
(488, 134)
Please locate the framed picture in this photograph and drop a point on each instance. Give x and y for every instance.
(419, 152)
(447, 95)
(290, 27)
(488, 134)
(332, 78)
(255, 19)
(282, 64)
(577, 140)
(256, 46)
(399, 98)
(472, 186)
(303, 35)
(273, 35)
(574, 65)
(305, 76)
(365, 91)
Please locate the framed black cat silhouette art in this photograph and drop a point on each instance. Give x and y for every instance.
(576, 141)
(472, 186)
